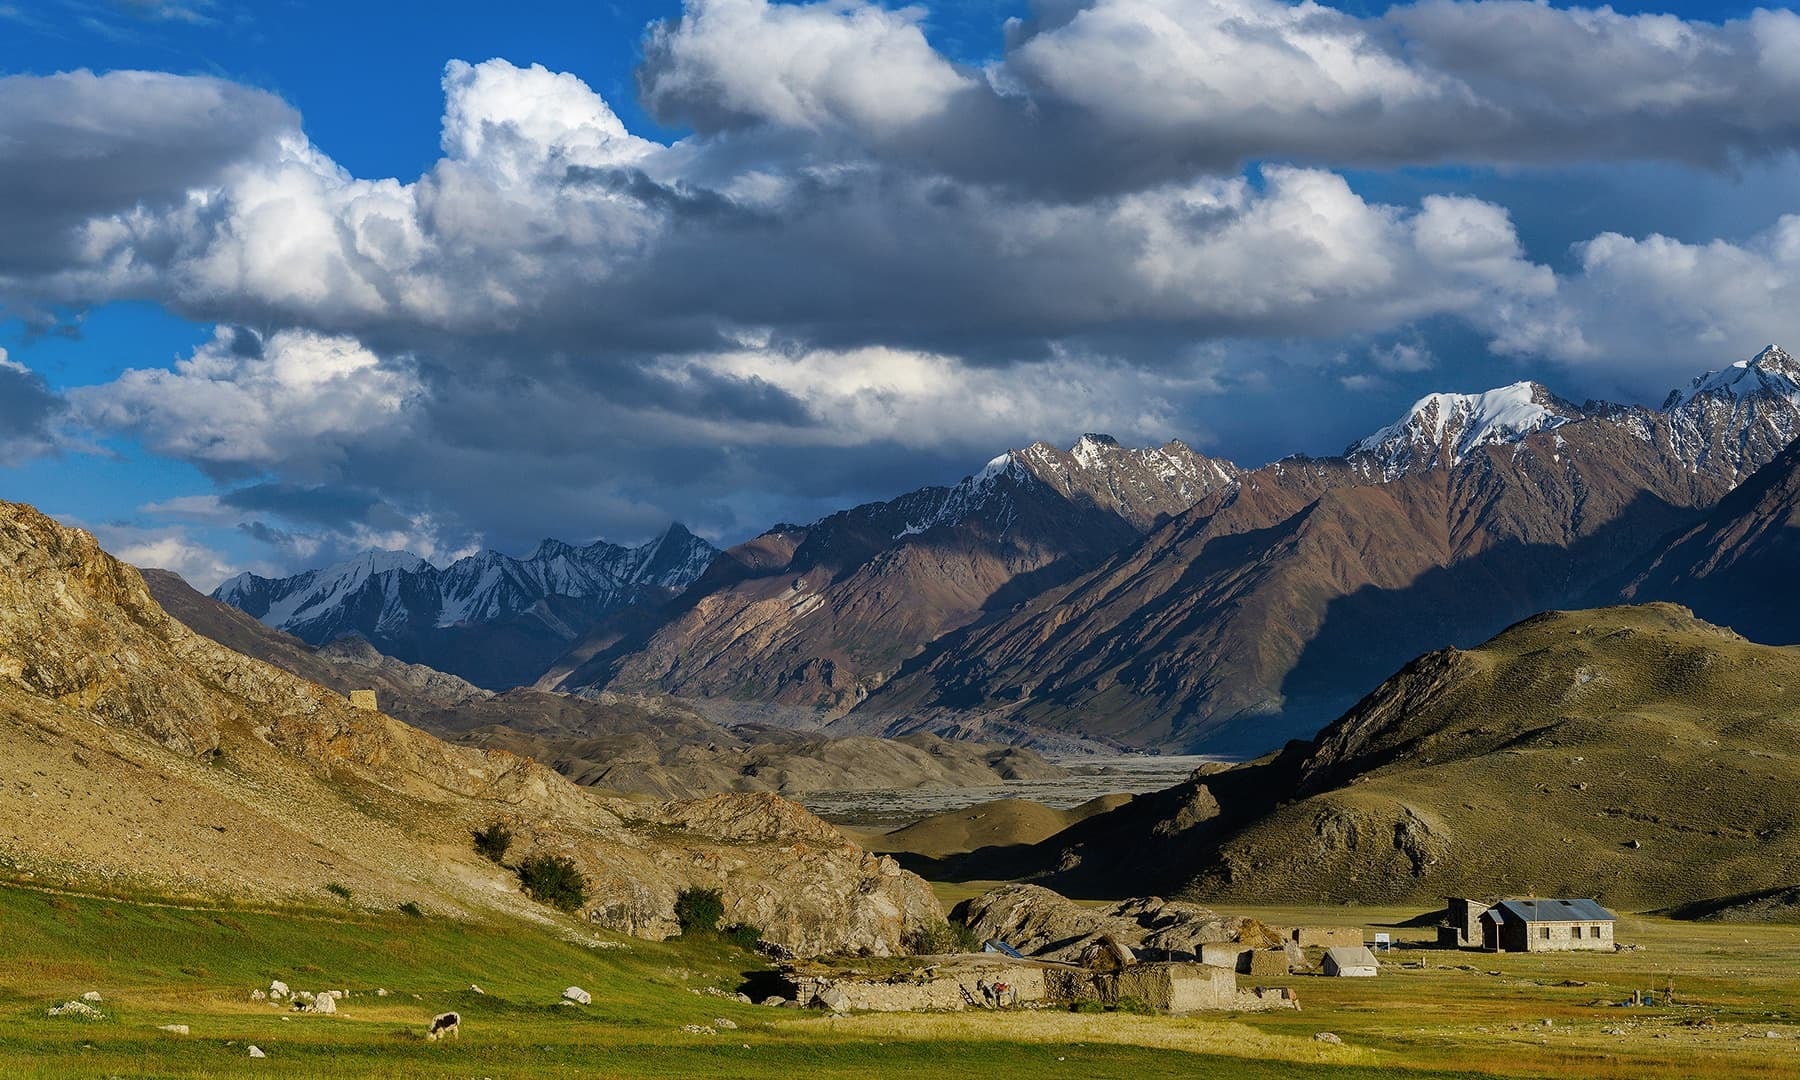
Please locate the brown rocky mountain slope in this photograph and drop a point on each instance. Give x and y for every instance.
(806, 621)
(1634, 754)
(628, 744)
(1267, 608)
(1734, 566)
(138, 756)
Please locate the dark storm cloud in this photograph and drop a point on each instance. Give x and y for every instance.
(77, 147)
(873, 268)
(29, 412)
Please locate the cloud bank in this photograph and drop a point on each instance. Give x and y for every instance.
(863, 245)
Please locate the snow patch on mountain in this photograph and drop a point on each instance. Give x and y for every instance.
(384, 593)
(1444, 429)
(1770, 373)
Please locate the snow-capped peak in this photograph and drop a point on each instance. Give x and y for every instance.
(1770, 372)
(1444, 429)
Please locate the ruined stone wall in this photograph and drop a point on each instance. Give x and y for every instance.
(1327, 937)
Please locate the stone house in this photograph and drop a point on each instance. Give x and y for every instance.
(1547, 926)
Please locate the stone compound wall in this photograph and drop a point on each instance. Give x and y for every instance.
(1167, 987)
(1327, 937)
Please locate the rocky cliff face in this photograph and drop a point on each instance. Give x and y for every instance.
(807, 621)
(148, 758)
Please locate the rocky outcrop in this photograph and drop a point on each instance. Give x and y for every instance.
(152, 758)
(1046, 925)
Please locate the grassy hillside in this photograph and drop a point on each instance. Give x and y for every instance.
(1430, 1014)
(1635, 754)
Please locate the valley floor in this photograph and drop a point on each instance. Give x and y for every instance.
(1460, 1014)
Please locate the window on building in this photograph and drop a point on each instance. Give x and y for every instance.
(1578, 933)
(1546, 933)
(1596, 931)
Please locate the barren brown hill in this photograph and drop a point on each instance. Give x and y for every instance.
(1002, 823)
(1267, 609)
(1734, 566)
(140, 756)
(812, 619)
(629, 744)
(1636, 754)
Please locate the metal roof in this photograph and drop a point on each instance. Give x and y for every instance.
(1554, 911)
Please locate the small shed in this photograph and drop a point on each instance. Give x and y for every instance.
(364, 699)
(1345, 961)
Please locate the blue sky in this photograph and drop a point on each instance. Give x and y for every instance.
(826, 337)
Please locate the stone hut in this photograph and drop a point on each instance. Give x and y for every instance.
(364, 699)
(1345, 961)
(1178, 988)
(1547, 926)
(1461, 928)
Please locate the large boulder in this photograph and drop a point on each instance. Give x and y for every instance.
(1047, 925)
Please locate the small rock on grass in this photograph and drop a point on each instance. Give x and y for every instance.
(724, 1025)
(256, 1052)
(91, 995)
(578, 996)
(173, 1029)
(1328, 1037)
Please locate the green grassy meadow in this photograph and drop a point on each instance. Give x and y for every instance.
(157, 964)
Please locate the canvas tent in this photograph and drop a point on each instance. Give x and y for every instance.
(1348, 961)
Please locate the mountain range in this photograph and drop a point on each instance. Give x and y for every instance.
(1104, 596)
(492, 619)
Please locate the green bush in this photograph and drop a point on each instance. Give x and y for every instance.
(410, 908)
(743, 935)
(338, 891)
(942, 939)
(493, 841)
(699, 910)
(553, 880)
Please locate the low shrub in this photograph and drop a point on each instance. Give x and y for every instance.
(553, 880)
(942, 939)
(699, 910)
(743, 935)
(338, 891)
(493, 841)
(412, 909)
